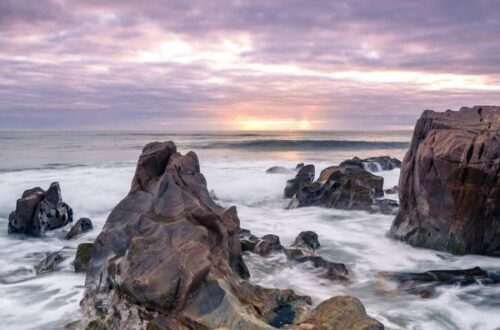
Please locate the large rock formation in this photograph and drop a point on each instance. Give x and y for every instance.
(38, 211)
(168, 257)
(450, 182)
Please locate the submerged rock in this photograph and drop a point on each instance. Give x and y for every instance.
(279, 170)
(304, 176)
(424, 284)
(50, 263)
(393, 190)
(83, 225)
(82, 258)
(38, 211)
(450, 183)
(373, 164)
(386, 206)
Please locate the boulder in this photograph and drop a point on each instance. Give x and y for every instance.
(267, 244)
(450, 183)
(424, 284)
(373, 164)
(83, 225)
(304, 176)
(307, 239)
(346, 188)
(50, 263)
(82, 258)
(38, 211)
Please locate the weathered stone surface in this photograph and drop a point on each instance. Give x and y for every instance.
(82, 258)
(373, 164)
(50, 263)
(424, 284)
(83, 225)
(38, 211)
(340, 313)
(169, 257)
(450, 182)
(304, 176)
(346, 188)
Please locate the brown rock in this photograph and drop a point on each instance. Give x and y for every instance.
(450, 182)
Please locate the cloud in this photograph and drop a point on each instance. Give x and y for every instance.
(202, 64)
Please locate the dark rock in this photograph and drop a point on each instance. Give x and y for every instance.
(50, 263)
(83, 225)
(82, 258)
(450, 183)
(340, 313)
(386, 206)
(346, 188)
(303, 177)
(279, 170)
(248, 241)
(424, 284)
(38, 211)
(307, 239)
(393, 190)
(299, 166)
(373, 164)
(267, 244)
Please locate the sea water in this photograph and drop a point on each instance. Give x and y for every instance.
(95, 170)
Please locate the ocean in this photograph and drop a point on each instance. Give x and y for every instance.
(95, 170)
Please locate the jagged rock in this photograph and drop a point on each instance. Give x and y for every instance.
(346, 188)
(304, 176)
(373, 164)
(340, 313)
(82, 258)
(83, 225)
(424, 284)
(279, 170)
(38, 211)
(450, 183)
(168, 256)
(393, 190)
(50, 263)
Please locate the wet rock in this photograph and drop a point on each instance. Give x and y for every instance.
(83, 225)
(267, 244)
(248, 241)
(393, 190)
(38, 211)
(424, 284)
(303, 177)
(82, 258)
(280, 170)
(340, 313)
(373, 164)
(50, 263)
(307, 239)
(169, 255)
(346, 188)
(450, 183)
(386, 206)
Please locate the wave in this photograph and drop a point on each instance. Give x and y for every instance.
(279, 145)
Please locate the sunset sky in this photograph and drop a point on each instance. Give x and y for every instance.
(204, 65)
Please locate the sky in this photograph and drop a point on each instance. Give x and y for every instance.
(260, 64)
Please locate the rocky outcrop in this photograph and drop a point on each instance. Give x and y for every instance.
(450, 183)
(304, 176)
(38, 211)
(373, 164)
(83, 225)
(168, 257)
(344, 188)
(425, 284)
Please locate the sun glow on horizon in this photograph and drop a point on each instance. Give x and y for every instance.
(273, 124)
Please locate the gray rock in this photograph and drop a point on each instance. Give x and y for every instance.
(50, 263)
(303, 177)
(373, 164)
(83, 225)
(279, 170)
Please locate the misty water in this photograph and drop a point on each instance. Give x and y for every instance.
(95, 170)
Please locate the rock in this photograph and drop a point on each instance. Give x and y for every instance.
(38, 211)
(304, 176)
(83, 225)
(393, 190)
(280, 170)
(346, 188)
(82, 258)
(169, 256)
(424, 284)
(450, 183)
(307, 239)
(340, 313)
(267, 244)
(50, 263)
(248, 241)
(386, 206)
(373, 164)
